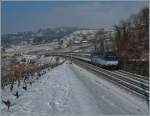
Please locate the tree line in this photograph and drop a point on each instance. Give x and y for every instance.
(132, 35)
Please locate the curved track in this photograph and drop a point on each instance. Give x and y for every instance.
(134, 84)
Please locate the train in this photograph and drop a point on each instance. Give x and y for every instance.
(105, 60)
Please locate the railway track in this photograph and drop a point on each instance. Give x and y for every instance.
(134, 84)
(138, 81)
(133, 75)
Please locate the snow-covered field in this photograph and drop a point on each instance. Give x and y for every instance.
(69, 89)
(31, 48)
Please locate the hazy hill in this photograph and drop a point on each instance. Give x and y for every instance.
(38, 37)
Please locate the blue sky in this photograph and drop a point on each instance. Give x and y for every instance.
(30, 16)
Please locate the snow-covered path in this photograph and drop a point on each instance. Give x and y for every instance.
(69, 89)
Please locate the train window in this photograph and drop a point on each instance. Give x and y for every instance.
(110, 58)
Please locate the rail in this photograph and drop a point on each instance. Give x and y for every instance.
(139, 87)
(134, 83)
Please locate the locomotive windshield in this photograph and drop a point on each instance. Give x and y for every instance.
(110, 56)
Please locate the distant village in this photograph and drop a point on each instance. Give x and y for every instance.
(27, 53)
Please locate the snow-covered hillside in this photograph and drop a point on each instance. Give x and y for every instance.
(70, 89)
(79, 36)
